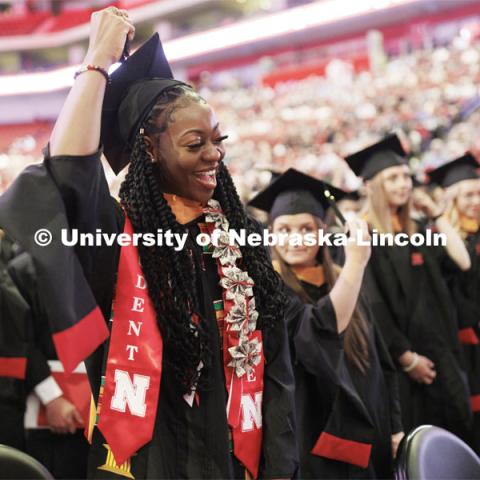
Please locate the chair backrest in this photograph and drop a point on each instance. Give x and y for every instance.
(432, 453)
(17, 465)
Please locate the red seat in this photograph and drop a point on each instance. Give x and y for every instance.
(21, 25)
(40, 131)
(69, 19)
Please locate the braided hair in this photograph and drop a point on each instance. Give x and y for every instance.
(168, 273)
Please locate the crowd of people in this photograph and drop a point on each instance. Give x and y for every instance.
(225, 359)
(313, 123)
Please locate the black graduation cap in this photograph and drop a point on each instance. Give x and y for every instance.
(275, 175)
(377, 157)
(462, 168)
(294, 192)
(133, 90)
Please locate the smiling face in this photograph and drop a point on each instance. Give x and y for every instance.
(397, 184)
(189, 151)
(468, 198)
(301, 223)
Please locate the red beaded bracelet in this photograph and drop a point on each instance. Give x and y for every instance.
(86, 68)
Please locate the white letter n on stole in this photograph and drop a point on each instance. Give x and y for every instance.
(130, 393)
(251, 412)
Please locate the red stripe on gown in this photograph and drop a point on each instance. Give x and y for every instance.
(475, 403)
(343, 450)
(468, 336)
(77, 342)
(13, 367)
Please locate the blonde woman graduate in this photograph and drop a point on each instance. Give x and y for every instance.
(460, 180)
(347, 403)
(416, 315)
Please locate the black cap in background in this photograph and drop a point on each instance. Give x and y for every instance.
(377, 157)
(462, 168)
(295, 192)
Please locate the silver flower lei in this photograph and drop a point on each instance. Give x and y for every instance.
(242, 316)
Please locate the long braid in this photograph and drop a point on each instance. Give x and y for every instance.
(168, 273)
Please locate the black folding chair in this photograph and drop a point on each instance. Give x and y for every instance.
(432, 453)
(17, 465)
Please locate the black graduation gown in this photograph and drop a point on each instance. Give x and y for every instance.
(187, 441)
(64, 455)
(412, 306)
(334, 398)
(465, 288)
(14, 318)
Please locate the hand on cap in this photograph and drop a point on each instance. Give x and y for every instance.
(423, 202)
(451, 193)
(109, 29)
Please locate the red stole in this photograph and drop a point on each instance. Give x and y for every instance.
(128, 404)
(134, 367)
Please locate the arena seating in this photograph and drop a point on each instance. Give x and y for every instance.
(21, 25)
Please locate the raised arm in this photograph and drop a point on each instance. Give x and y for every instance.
(455, 247)
(77, 129)
(345, 292)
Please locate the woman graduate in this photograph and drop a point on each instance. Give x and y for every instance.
(56, 406)
(15, 316)
(196, 380)
(348, 410)
(28, 391)
(461, 181)
(416, 314)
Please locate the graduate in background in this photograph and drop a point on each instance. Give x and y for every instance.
(15, 317)
(348, 414)
(35, 415)
(196, 380)
(461, 181)
(54, 427)
(417, 315)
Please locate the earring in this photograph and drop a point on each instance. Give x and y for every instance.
(152, 158)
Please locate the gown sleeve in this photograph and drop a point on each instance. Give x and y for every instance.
(88, 205)
(447, 265)
(14, 319)
(280, 459)
(84, 190)
(313, 334)
(83, 187)
(61, 194)
(22, 272)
